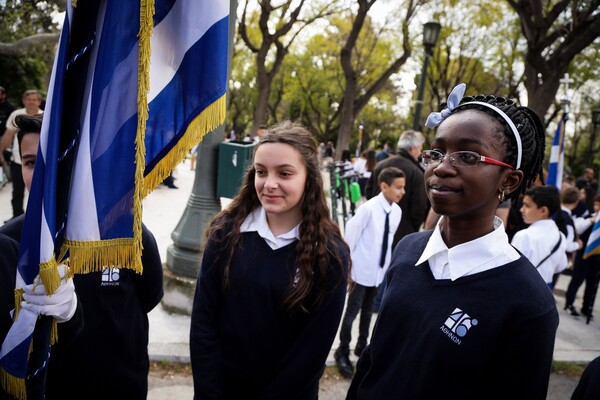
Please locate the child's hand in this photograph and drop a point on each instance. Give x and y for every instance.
(61, 304)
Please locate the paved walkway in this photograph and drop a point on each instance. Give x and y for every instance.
(163, 208)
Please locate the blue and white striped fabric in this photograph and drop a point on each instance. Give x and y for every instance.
(40, 226)
(186, 99)
(557, 155)
(593, 244)
(135, 85)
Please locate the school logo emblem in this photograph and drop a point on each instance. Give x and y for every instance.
(111, 277)
(458, 325)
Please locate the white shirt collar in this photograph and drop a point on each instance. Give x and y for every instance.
(256, 221)
(387, 207)
(483, 253)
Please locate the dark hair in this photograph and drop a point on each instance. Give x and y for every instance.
(389, 174)
(320, 238)
(530, 128)
(371, 160)
(346, 155)
(597, 198)
(569, 195)
(27, 124)
(545, 196)
(262, 126)
(589, 195)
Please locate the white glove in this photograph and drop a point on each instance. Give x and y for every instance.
(61, 304)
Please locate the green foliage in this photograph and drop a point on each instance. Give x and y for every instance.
(19, 20)
(19, 75)
(23, 18)
(485, 53)
(313, 81)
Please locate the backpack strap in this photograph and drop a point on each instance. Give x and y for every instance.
(556, 246)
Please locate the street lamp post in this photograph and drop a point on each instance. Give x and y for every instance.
(595, 123)
(431, 31)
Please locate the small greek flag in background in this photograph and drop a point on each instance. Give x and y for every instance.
(557, 155)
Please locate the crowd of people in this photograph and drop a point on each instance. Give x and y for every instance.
(465, 307)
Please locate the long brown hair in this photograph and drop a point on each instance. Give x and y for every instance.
(320, 239)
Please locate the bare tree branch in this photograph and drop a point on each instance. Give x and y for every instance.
(26, 45)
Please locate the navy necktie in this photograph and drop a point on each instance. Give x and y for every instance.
(384, 243)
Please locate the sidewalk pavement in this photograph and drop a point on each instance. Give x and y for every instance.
(576, 341)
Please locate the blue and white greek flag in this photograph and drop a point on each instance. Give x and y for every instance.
(135, 85)
(557, 154)
(593, 244)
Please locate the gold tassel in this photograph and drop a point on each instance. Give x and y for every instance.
(13, 385)
(49, 276)
(18, 300)
(53, 332)
(94, 256)
(210, 118)
(145, 33)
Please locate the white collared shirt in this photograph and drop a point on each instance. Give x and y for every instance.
(484, 253)
(572, 244)
(256, 221)
(537, 241)
(10, 123)
(364, 235)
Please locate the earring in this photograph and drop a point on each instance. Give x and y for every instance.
(501, 196)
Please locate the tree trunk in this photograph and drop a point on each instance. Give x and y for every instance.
(346, 118)
(263, 81)
(541, 91)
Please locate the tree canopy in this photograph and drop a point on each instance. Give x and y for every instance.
(28, 36)
(334, 65)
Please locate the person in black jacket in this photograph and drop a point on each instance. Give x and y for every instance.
(466, 316)
(271, 288)
(414, 204)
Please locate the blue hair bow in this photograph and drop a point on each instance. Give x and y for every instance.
(436, 118)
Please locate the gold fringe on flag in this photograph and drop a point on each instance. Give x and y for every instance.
(49, 275)
(10, 383)
(209, 119)
(18, 300)
(16, 386)
(146, 27)
(13, 385)
(94, 256)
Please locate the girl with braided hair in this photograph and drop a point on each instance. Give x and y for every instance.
(465, 315)
(272, 284)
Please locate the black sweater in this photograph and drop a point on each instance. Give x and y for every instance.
(67, 331)
(9, 252)
(109, 359)
(243, 344)
(485, 336)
